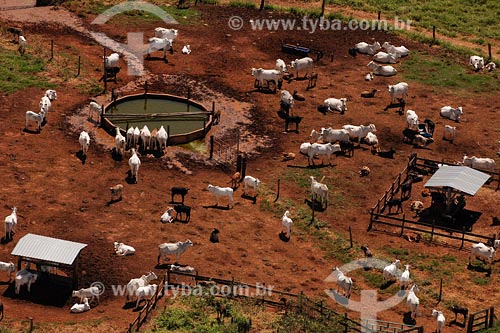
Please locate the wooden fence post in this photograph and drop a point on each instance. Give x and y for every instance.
(211, 147)
(463, 238)
(489, 52)
(278, 192)
(104, 68)
(433, 35)
(350, 236)
(492, 317)
(51, 49)
(440, 290)
(323, 8)
(378, 20)
(31, 325)
(403, 225)
(346, 326)
(432, 230)
(79, 65)
(371, 221)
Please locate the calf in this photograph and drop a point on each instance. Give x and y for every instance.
(214, 236)
(386, 153)
(116, 191)
(394, 202)
(182, 209)
(460, 310)
(182, 191)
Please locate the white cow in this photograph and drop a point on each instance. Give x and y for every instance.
(302, 64)
(173, 248)
(386, 70)
(51, 94)
(261, 74)
(281, 66)
(360, 131)
(336, 104)
(218, 192)
(371, 139)
(10, 223)
(322, 149)
(123, 249)
(491, 66)
(84, 140)
(482, 251)
(167, 216)
(157, 44)
(304, 148)
(366, 48)
(120, 142)
(166, 33)
(22, 44)
(400, 51)
(404, 279)
(319, 190)
(112, 60)
(440, 320)
(477, 62)
(449, 132)
(386, 58)
(451, 113)
(24, 277)
(94, 108)
(286, 223)
(343, 282)
(330, 135)
(287, 98)
(45, 104)
(134, 284)
(399, 90)
(145, 293)
(36, 117)
(186, 49)
(80, 307)
(413, 301)
(8, 267)
(412, 120)
(252, 182)
(145, 137)
(130, 137)
(89, 292)
(162, 138)
(483, 163)
(134, 163)
(391, 271)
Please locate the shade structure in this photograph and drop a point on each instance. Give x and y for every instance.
(459, 178)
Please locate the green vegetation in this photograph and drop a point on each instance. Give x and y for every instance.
(20, 72)
(479, 18)
(196, 146)
(242, 4)
(446, 73)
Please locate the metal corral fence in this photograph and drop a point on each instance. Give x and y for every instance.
(403, 223)
(288, 301)
(150, 305)
(225, 149)
(481, 320)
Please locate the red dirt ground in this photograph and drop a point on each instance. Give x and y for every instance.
(58, 196)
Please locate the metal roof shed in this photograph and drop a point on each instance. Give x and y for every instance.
(49, 251)
(456, 179)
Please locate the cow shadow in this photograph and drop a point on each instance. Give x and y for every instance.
(115, 155)
(314, 205)
(5, 240)
(479, 269)
(30, 131)
(112, 201)
(81, 156)
(283, 237)
(387, 284)
(45, 291)
(129, 179)
(249, 197)
(130, 305)
(217, 207)
(338, 297)
(408, 320)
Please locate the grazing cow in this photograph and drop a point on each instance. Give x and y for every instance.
(479, 163)
(333, 104)
(343, 282)
(360, 131)
(440, 320)
(287, 101)
(10, 223)
(286, 223)
(22, 44)
(365, 48)
(252, 182)
(319, 190)
(451, 113)
(482, 251)
(218, 192)
(134, 163)
(409, 135)
(322, 149)
(84, 140)
(477, 62)
(368, 253)
(261, 74)
(24, 277)
(413, 301)
(386, 58)
(400, 51)
(399, 90)
(173, 248)
(382, 70)
(449, 133)
(302, 64)
(136, 283)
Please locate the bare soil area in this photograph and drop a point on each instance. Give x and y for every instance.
(59, 196)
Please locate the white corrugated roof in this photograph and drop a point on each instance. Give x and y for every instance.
(460, 178)
(48, 249)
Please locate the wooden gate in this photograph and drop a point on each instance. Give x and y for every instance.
(225, 149)
(481, 320)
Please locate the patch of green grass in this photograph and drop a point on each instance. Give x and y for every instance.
(19, 72)
(479, 18)
(242, 4)
(91, 87)
(480, 280)
(401, 254)
(196, 146)
(445, 73)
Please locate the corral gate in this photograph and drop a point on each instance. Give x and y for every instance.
(380, 326)
(225, 149)
(481, 320)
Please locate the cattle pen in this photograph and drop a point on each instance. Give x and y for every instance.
(431, 226)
